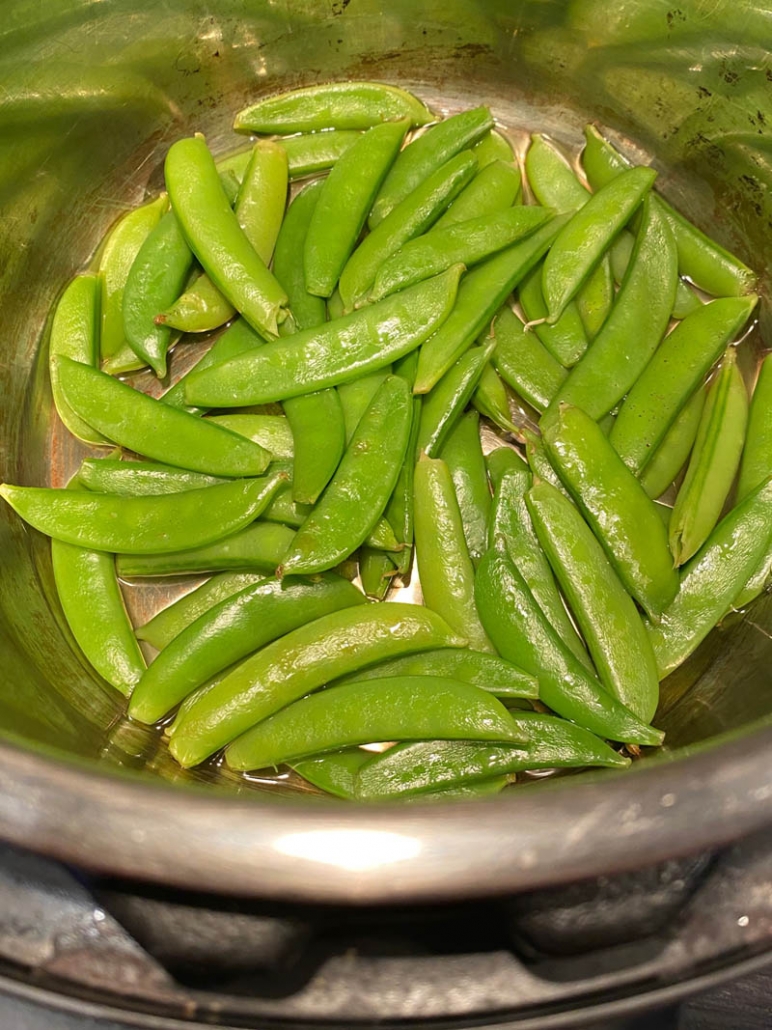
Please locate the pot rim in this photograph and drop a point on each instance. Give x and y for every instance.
(124, 825)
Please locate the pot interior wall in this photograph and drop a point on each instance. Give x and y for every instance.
(93, 95)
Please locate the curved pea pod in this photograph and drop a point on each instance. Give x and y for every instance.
(426, 154)
(331, 105)
(259, 546)
(283, 509)
(467, 242)
(360, 488)
(539, 460)
(487, 671)
(344, 203)
(501, 460)
(337, 352)
(756, 464)
(376, 570)
(216, 238)
(410, 218)
(524, 362)
(494, 188)
(157, 276)
(551, 178)
(150, 427)
(635, 325)
(171, 621)
(442, 407)
(355, 398)
(481, 294)
(307, 310)
(493, 147)
(299, 663)
(117, 256)
(139, 478)
(444, 565)
(670, 457)
(231, 630)
(583, 241)
(428, 765)
(315, 152)
(622, 516)
(464, 792)
(148, 525)
(334, 772)
(272, 432)
(462, 452)
(714, 461)
(604, 611)
(706, 263)
(520, 631)
(492, 400)
(404, 708)
(594, 300)
(510, 526)
(199, 309)
(713, 578)
(399, 510)
(75, 334)
(673, 374)
(566, 340)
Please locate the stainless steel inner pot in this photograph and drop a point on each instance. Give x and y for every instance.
(92, 95)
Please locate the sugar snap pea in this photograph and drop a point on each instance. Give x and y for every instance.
(399, 510)
(361, 486)
(713, 578)
(333, 772)
(494, 188)
(139, 478)
(492, 400)
(756, 464)
(199, 309)
(672, 376)
(408, 219)
(231, 630)
(444, 565)
(524, 362)
(355, 398)
(344, 203)
(604, 611)
(426, 154)
(615, 504)
(594, 300)
(314, 152)
(306, 310)
(463, 454)
(150, 427)
(413, 768)
(501, 460)
(337, 352)
(272, 432)
(539, 460)
(521, 634)
(566, 340)
(299, 663)
(375, 570)
(404, 708)
(331, 105)
(216, 238)
(443, 405)
(493, 147)
(670, 457)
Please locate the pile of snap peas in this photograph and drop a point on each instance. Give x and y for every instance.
(411, 283)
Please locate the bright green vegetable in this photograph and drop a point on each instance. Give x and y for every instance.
(375, 570)
(139, 478)
(524, 363)
(670, 457)
(501, 460)
(463, 454)
(317, 151)
(443, 405)
(306, 310)
(492, 400)
(493, 147)
(756, 463)
(566, 340)
(272, 432)
(494, 188)
(355, 398)
(199, 309)
(334, 772)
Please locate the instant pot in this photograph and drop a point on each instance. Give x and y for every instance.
(169, 896)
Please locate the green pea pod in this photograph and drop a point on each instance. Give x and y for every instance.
(315, 152)
(492, 400)
(521, 633)
(150, 427)
(714, 461)
(595, 299)
(494, 188)
(272, 432)
(157, 277)
(283, 509)
(123, 361)
(307, 310)
(670, 457)
(337, 352)
(355, 398)
(510, 525)
(404, 708)
(673, 374)
(464, 792)
(758, 582)
(414, 768)
(606, 614)
(344, 203)
(199, 309)
(331, 105)
(139, 478)
(480, 296)
(463, 454)
(260, 546)
(426, 154)
(231, 630)
(493, 147)
(566, 340)
(713, 578)
(615, 504)
(376, 570)
(360, 488)
(399, 510)
(686, 300)
(412, 217)
(551, 178)
(635, 326)
(117, 256)
(335, 308)
(756, 463)
(707, 264)
(444, 565)
(487, 671)
(539, 461)
(443, 405)
(466, 242)
(109, 522)
(75, 334)
(524, 363)
(299, 663)
(334, 772)
(582, 243)
(171, 621)
(216, 238)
